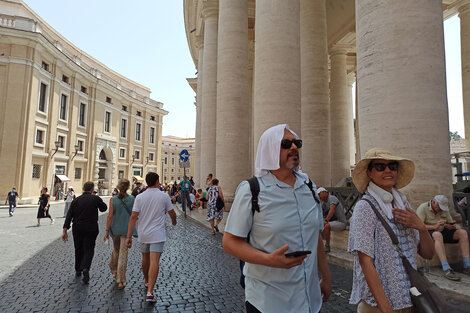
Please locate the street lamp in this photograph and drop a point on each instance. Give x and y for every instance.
(147, 162)
(76, 151)
(57, 145)
(133, 159)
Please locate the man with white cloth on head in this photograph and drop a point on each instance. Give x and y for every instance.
(289, 220)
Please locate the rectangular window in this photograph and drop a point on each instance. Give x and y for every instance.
(60, 169)
(39, 136)
(150, 156)
(65, 79)
(166, 160)
(82, 114)
(121, 175)
(63, 107)
(107, 121)
(124, 108)
(101, 173)
(78, 173)
(138, 127)
(122, 153)
(172, 161)
(84, 89)
(137, 154)
(108, 99)
(152, 135)
(80, 145)
(139, 113)
(45, 66)
(61, 140)
(123, 128)
(42, 97)
(152, 118)
(36, 171)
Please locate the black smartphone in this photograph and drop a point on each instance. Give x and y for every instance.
(297, 254)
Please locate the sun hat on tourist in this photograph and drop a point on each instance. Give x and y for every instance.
(321, 189)
(442, 201)
(406, 169)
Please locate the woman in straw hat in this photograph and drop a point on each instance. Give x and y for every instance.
(380, 283)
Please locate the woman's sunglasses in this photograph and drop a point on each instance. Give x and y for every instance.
(287, 143)
(380, 167)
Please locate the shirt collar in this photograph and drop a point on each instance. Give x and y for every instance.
(269, 180)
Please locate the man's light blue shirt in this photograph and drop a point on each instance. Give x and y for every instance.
(288, 215)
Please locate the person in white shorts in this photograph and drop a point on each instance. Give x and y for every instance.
(150, 207)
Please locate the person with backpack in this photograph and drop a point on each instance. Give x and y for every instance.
(120, 210)
(275, 229)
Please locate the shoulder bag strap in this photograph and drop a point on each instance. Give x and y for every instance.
(310, 186)
(125, 205)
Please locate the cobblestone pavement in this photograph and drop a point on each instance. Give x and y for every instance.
(195, 276)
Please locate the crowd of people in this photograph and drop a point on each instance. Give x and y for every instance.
(276, 225)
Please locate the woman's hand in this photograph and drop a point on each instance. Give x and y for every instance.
(106, 235)
(408, 218)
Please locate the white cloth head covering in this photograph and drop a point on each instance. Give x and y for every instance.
(269, 147)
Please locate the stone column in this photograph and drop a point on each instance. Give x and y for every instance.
(209, 89)
(464, 15)
(340, 116)
(197, 159)
(315, 101)
(277, 65)
(351, 78)
(402, 88)
(233, 134)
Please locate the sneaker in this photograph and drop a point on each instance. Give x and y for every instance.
(38, 224)
(86, 276)
(450, 274)
(327, 248)
(150, 298)
(466, 271)
(53, 221)
(11, 213)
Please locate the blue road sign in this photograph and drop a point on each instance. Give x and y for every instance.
(184, 155)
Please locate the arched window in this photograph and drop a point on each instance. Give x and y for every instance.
(102, 155)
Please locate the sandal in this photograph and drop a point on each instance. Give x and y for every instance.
(146, 284)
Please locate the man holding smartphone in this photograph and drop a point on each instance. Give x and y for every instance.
(443, 229)
(280, 273)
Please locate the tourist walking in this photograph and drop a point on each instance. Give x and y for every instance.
(44, 206)
(380, 281)
(69, 196)
(11, 198)
(214, 213)
(120, 210)
(83, 213)
(150, 208)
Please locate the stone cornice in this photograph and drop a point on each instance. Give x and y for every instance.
(464, 7)
(339, 49)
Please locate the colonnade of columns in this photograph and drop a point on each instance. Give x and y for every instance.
(401, 89)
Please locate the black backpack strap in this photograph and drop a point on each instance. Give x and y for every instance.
(254, 187)
(314, 193)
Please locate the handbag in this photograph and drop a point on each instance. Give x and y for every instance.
(426, 296)
(219, 203)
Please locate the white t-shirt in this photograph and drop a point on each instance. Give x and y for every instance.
(192, 197)
(152, 206)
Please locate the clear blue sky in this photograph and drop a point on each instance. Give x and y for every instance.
(145, 41)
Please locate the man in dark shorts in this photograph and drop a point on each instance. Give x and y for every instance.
(443, 229)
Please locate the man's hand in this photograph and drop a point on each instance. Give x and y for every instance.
(278, 259)
(325, 287)
(65, 236)
(439, 224)
(129, 243)
(450, 225)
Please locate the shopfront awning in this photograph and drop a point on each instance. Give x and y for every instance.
(139, 179)
(63, 178)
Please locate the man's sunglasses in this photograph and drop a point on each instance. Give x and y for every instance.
(287, 143)
(380, 167)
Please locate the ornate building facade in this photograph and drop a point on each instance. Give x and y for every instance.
(265, 62)
(66, 117)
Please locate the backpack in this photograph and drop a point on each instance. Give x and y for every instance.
(254, 188)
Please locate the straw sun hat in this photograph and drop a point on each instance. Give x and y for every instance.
(406, 169)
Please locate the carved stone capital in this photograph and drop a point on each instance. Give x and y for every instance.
(210, 8)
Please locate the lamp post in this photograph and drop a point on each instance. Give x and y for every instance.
(57, 145)
(76, 151)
